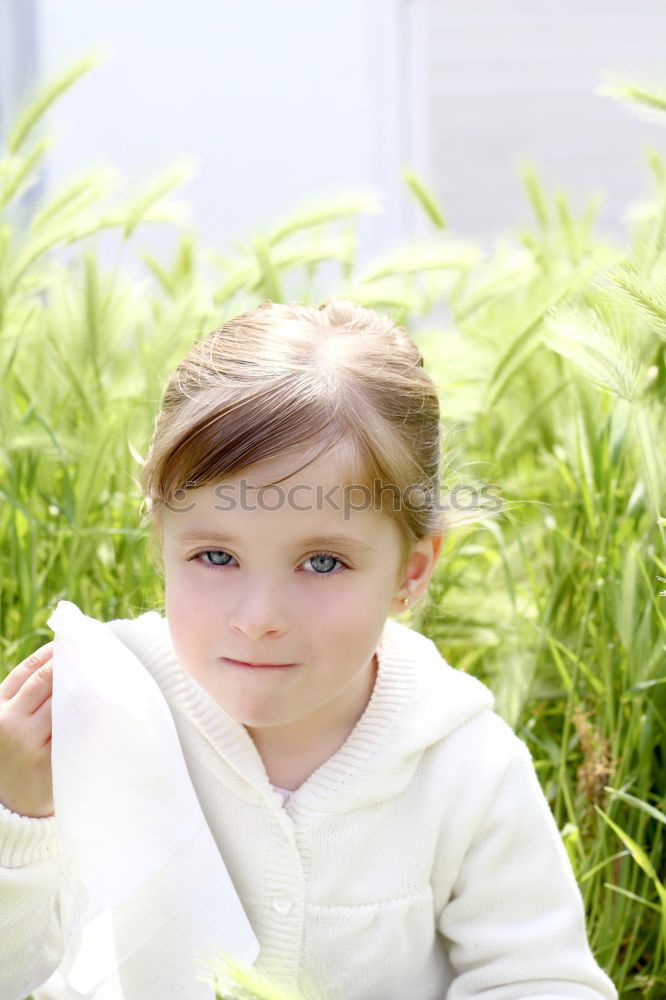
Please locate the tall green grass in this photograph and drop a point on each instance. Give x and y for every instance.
(552, 373)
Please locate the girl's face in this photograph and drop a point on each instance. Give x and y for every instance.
(266, 581)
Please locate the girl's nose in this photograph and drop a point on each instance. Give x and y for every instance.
(257, 614)
(254, 629)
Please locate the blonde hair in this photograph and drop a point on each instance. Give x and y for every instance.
(284, 376)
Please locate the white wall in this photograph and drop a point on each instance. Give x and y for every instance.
(515, 79)
(282, 102)
(18, 72)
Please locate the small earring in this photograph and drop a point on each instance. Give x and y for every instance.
(405, 601)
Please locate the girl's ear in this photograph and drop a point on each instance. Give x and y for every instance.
(419, 569)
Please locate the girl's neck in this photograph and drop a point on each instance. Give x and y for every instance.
(291, 753)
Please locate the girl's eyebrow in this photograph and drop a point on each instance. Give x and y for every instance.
(198, 534)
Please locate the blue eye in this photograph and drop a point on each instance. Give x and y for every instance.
(323, 555)
(208, 552)
(198, 557)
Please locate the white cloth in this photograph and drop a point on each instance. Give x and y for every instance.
(142, 882)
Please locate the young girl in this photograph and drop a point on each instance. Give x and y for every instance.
(383, 826)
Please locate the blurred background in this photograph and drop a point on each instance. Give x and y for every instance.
(283, 101)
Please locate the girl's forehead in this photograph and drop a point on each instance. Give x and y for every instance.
(309, 508)
(307, 490)
(284, 476)
(292, 511)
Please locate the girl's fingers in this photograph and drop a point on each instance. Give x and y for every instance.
(36, 689)
(15, 680)
(41, 722)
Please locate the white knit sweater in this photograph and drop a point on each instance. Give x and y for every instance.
(420, 862)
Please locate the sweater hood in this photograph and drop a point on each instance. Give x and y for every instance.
(418, 699)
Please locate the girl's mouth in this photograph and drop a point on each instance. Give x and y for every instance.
(258, 666)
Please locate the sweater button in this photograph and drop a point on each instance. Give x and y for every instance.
(282, 905)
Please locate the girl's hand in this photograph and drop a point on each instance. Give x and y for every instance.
(26, 785)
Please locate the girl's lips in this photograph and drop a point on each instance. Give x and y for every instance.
(258, 666)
